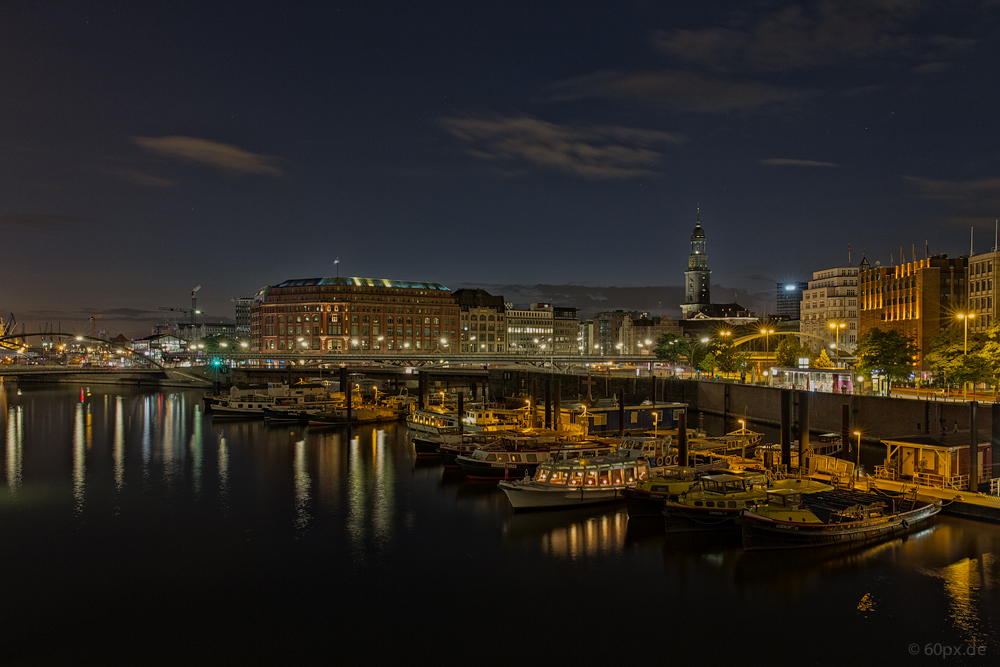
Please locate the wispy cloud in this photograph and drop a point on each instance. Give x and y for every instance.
(228, 158)
(35, 221)
(791, 162)
(797, 37)
(677, 89)
(971, 202)
(599, 152)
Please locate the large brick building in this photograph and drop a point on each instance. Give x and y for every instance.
(917, 299)
(353, 314)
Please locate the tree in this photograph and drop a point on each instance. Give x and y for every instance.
(671, 348)
(823, 360)
(729, 359)
(990, 352)
(789, 351)
(886, 353)
(707, 363)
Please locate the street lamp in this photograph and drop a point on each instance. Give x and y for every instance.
(965, 317)
(837, 326)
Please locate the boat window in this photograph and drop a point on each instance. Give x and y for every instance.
(603, 477)
(629, 475)
(643, 471)
(516, 458)
(616, 477)
(491, 457)
(775, 499)
(588, 454)
(576, 479)
(558, 477)
(732, 503)
(542, 475)
(710, 503)
(591, 478)
(530, 458)
(697, 503)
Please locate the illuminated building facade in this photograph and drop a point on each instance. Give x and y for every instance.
(697, 276)
(831, 297)
(917, 299)
(354, 314)
(982, 299)
(530, 331)
(482, 322)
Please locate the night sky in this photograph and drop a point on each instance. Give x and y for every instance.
(540, 150)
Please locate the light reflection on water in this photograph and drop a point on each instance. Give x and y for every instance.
(15, 449)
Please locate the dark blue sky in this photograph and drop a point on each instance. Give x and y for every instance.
(538, 150)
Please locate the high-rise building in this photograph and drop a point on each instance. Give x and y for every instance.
(697, 276)
(243, 304)
(789, 297)
(918, 299)
(353, 314)
(831, 297)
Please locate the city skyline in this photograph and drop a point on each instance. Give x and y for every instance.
(546, 153)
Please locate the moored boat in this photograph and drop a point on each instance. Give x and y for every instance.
(646, 498)
(790, 519)
(573, 483)
(714, 501)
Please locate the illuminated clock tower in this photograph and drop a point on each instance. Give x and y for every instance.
(697, 276)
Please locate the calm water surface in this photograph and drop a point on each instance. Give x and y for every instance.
(136, 529)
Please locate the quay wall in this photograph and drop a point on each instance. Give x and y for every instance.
(875, 416)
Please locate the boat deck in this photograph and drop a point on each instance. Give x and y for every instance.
(826, 503)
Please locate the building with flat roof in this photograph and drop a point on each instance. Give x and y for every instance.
(831, 298)
(354, 314)
(788, 299)
(482, 321)
(918, 299)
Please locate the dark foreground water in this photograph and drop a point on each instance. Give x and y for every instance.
(136, 529)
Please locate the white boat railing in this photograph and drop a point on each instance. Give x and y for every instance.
(995, 487)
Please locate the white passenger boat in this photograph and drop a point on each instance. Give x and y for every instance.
(572, 483)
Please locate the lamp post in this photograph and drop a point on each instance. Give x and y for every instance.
(837, 326)
(965, 317)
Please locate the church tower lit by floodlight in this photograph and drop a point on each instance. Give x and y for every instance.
(697, 276)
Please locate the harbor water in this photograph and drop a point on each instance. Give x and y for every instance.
(139, 529)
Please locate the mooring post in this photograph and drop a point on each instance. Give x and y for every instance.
(557, 422)
(621, 412)
(548, 402)
(786, 428)
(973, 447)
(534, 402)
(803, 426)
(461, 411)
(682, 439)
(845, 429)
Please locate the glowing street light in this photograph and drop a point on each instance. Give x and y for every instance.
(837, 326)
(965, 317)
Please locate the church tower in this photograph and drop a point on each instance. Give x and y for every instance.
(697, 276)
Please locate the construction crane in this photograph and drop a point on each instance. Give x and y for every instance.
(93, 325)
(7, 328)
(194, 305)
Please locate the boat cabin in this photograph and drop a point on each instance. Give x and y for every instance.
(591, 473)
(787, 498)
(724, 483)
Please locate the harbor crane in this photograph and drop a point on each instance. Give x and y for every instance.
(193, 310)
(93, 325)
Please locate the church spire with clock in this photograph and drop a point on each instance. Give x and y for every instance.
(697, 276)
